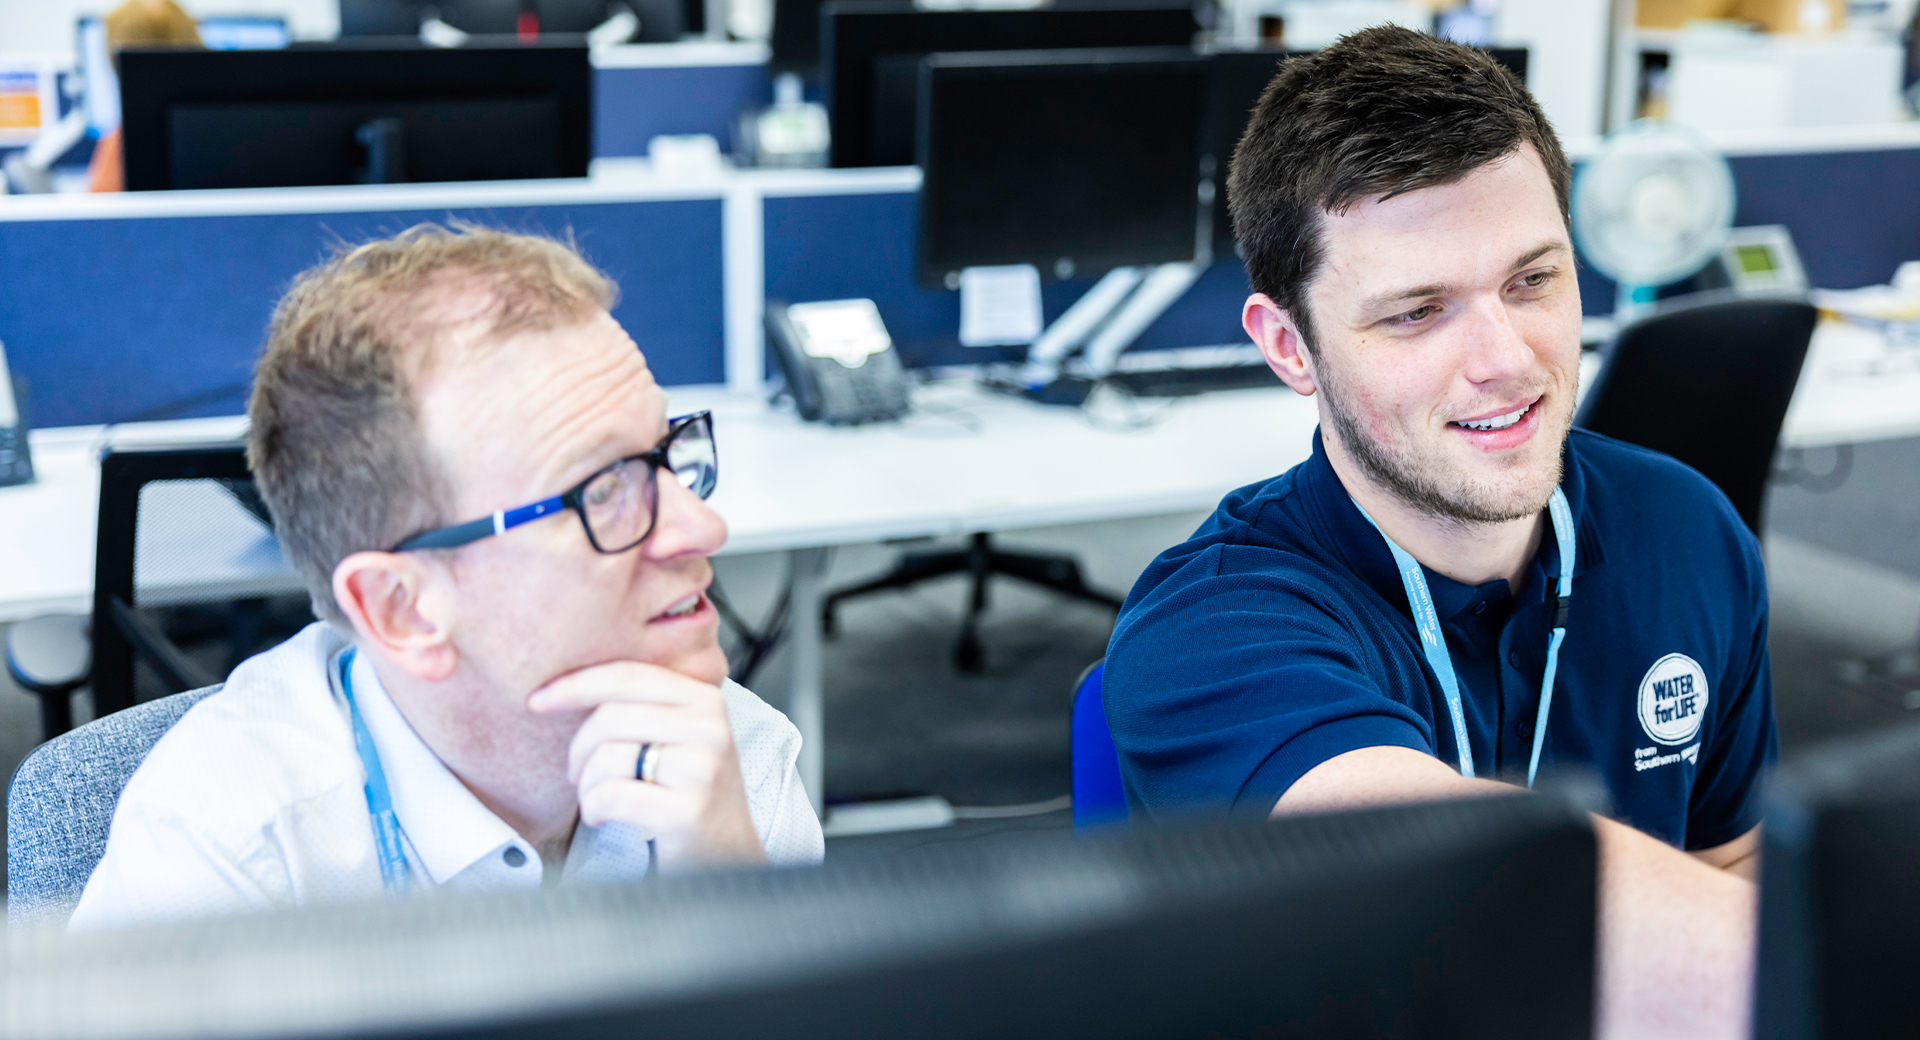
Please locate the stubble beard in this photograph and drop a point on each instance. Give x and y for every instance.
(1429, 484)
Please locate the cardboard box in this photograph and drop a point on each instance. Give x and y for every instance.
(1792, 16)
(1672, 14)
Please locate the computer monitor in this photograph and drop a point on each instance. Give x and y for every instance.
(795, 42)
(244, 32)
(1839, 906)
(381, 17)
(490, 17)
(248, 119)
(1467, 919)
(1236, 79)
(870, 53)
(1075, 161)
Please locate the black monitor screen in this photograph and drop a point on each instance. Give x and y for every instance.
(1237, 79)
(236, 119)
(870, 52)
(795, 42)
(1074, 161)
(284, 145)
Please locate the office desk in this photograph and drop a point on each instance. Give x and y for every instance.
(966, 461)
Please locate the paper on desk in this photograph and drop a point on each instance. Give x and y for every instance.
(999, 306)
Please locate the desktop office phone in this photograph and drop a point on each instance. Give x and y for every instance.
(16, 465)
(839, 361)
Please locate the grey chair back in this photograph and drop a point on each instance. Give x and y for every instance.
(1708, 382)
(60, 805)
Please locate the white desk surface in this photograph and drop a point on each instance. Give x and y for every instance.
(965, 461)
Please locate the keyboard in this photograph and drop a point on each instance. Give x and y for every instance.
(1184, 382)
(1191, 370)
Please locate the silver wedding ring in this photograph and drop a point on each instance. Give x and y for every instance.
(647, 764)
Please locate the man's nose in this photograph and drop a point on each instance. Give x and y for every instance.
(1495, 348)
(685, 524)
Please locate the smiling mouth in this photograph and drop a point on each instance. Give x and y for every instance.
(1497, 422)
(683, 608)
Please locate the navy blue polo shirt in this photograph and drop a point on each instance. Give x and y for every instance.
(1278, 636)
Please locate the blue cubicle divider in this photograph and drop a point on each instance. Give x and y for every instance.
(109, 319)
(834, 246)
(632, 105)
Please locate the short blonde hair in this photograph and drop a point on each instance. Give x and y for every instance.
(150, 23)
(335, 444)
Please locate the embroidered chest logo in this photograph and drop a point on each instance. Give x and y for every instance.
(1672, 704)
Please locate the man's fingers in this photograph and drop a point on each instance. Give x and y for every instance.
(686, 766)
(638, 724)
(634, 681)
(651, 807)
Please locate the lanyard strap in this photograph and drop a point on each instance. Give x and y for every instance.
(395, 874)
(1434, 643)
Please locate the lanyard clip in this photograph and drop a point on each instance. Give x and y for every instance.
(1561, 604)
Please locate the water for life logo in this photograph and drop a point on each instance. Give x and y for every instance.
(1673, 699)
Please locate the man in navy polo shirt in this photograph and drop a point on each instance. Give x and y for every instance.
(1402, 204)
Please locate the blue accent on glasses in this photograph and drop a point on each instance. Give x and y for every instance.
(702, 473)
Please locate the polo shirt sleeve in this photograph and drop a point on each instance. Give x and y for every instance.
(1222, 689)
(1726, 799)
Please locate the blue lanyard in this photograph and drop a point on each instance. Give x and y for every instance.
(1434, 643)
(395, 874)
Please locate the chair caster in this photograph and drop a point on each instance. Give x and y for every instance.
(969, 658)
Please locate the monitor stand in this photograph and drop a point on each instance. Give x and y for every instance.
(1112, 314)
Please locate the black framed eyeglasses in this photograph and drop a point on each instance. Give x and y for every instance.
(618, 505)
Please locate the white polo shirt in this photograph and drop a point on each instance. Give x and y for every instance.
(255, 800)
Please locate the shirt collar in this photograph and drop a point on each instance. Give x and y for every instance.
(447, 828)
(1339, 525)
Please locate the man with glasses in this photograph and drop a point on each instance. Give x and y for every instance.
(517, 676)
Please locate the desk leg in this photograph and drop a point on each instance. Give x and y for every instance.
(806, 692)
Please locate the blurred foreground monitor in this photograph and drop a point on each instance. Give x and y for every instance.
(354, 115)
(1465, 919)
(1840, 909)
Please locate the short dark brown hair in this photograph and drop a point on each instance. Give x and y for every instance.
(334, 442)
(1382, 112)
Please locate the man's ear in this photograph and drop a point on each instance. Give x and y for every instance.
(399, 608)
(1274, 331)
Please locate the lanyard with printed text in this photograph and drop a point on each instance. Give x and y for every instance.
(1434, 643)
(395, 874)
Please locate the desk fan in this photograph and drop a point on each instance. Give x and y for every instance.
(1652, 208)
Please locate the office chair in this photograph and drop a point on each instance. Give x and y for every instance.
(1099, 796)
(1708, 382)
(981, 560)
(61, 801)
(172, 521)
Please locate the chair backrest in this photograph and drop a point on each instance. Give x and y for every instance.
(60, 805)
(1099, 796)
(178, 524)
(1707, 383)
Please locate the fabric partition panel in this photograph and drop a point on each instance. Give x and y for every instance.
(113, 319)
(825, 247)
(632, 105)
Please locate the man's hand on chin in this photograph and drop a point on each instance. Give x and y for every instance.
(695, 808)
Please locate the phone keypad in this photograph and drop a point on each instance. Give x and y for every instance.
(16, 466)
